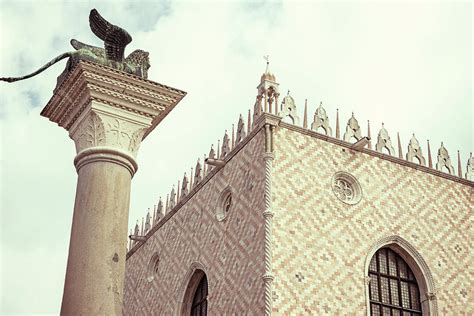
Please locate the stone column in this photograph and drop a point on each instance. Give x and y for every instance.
(107, 113)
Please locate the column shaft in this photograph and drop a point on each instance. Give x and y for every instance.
(96, 261)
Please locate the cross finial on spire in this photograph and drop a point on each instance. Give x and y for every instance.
(267, 58)
(288, 93)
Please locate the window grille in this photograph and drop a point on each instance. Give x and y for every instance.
(393, 288)
(199, 306)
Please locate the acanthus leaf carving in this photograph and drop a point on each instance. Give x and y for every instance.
(103, 130)
(90, 133)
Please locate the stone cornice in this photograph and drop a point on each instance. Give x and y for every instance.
(92, 82)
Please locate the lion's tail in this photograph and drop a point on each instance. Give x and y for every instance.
(52, 62)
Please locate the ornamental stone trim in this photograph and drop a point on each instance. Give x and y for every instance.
(346, 188)
(90, 81)
(416, 263)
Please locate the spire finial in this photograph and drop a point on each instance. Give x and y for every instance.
(459, 165)
(400, 155)
(267, 58)
(233, 136)
(337, 124)
(288, 93)
(249, 123)
(430, 162)
(305, 118)
(368, 135)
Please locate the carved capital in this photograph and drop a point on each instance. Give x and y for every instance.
(108, 112)
(97, 128)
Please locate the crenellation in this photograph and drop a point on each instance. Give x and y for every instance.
(147, 222)
(383, 141)
(184, 188)
(352, 129)
(470, 168)
(320, 120)
(444, 160)
(197, 172)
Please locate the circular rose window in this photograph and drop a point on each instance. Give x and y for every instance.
(153, 265)
(346, 187)
(224, 204)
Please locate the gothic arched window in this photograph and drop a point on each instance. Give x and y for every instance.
(199, 305)
(393, 288)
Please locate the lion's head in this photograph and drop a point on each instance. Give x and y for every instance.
(139, 60)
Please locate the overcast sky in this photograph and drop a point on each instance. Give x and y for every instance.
(406, 64)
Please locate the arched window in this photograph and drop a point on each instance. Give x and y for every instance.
(393, 287)
(199, 305)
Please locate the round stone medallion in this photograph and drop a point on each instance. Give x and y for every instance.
(346, 188)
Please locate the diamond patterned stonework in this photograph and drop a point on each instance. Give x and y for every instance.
(230, 251)
(330, 242)
(294, 244)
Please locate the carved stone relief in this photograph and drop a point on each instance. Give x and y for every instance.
(105, 130)
(90, 133)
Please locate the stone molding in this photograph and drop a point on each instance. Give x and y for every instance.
(416, 263)
(186, 289)
(90, 82)
(110, 111)
(107, 154)
(268, 277)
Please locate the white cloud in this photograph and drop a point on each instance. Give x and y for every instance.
(408, 65)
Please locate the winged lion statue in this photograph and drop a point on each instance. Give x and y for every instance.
(112, 55)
